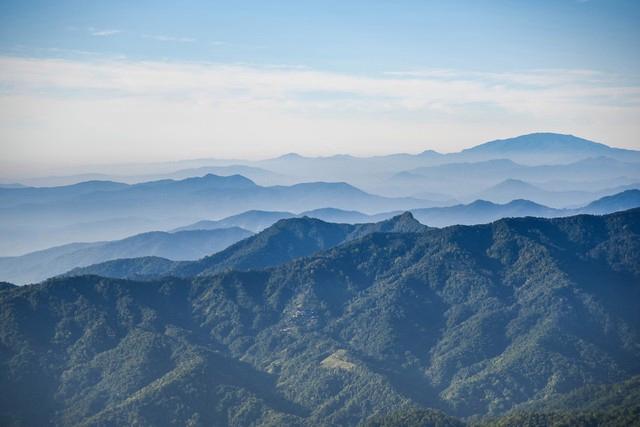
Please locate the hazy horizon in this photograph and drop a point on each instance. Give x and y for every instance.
(88, 84)
(42, 170)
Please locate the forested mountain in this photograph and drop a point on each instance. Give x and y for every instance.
(468, 320)
(182, 245)
(287, 239)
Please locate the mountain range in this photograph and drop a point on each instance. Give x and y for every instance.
(160, 249)
(259, 220)
(471, 321)
(566, 171)
(26, 212)
(182, 245)
(293, 237)
(477, 212)
(512, 189)
(284, 241)
(470, 178)
(532, 149)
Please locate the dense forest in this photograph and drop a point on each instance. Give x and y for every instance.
(524, 321)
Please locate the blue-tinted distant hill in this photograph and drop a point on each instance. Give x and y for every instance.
(294, 237)
(253, 220)
(208, 194)
(470, 178)
(184, 245)
(546, 148)
(618, 202)
(169, 203)
(341, 216)
(482, 211)
(512, 189)
(16, 195)
(477, 212)
(256, 220)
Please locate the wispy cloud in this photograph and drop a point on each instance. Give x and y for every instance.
(187, 110)
(164, 38)
(103, 32)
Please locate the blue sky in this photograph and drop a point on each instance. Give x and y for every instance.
(363, 77)
(354, 36)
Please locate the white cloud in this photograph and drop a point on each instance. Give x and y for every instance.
(103, 33)
(114, 110)
(163, 38)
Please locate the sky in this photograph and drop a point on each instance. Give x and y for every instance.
(92, 82)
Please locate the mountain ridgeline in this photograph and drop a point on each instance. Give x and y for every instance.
(294, 237)
(287, 239)
(385, 324)
(558, 171)
(180, 245)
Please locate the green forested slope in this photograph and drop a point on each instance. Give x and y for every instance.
(472, 321)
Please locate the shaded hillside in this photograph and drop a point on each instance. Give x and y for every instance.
(471, 320)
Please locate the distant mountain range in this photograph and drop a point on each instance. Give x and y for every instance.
(477, 212)
(499, 171)
(512, 189)
(470, 179)
(207, 237)
(253, 220)
(546, 148)
(256, 174)
(472, 321)
(481, 211)
(183, 245)
(166, 203)
(259, 220)
(531, 149)
(294, 237)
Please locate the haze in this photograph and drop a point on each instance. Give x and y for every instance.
(84, 83)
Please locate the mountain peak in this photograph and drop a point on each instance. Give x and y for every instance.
(540, 141)
(290, 156)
